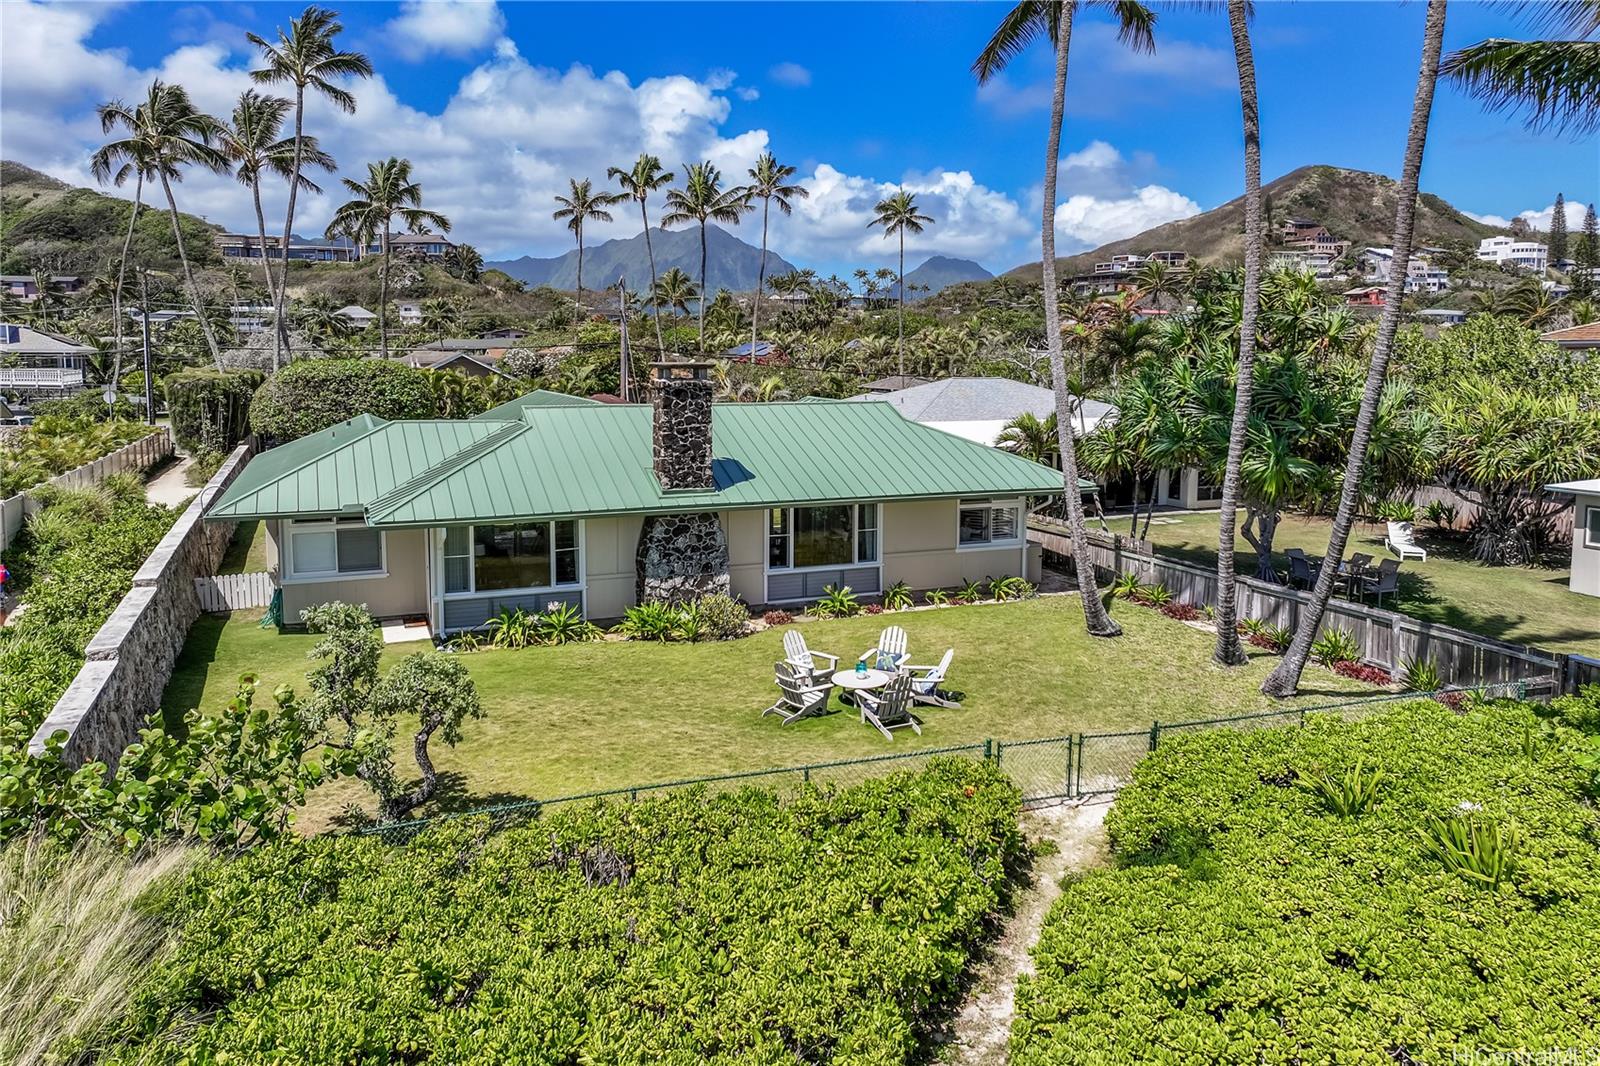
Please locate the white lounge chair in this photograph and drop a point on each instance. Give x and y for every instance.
(925, 682)
(891, 650)
(1402, 541)
(889, 709)
(798, 695)
(797, 654)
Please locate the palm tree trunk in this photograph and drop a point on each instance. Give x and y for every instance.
(1285, 678)
(281, 296)
(266, 268)
(1229, 652)
(188, 276)
(761, 278)
(383, 294)
(651, 252)
(900, 318)
(1098, 622)
(701, 309)
(122, 273)
(577, 308)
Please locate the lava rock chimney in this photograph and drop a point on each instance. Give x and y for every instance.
(680, 396)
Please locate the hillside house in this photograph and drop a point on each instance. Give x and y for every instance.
(1364, 296)
(246, 246)
(25, 287)
(1579, 338)
(1514, 252)
(34, 362)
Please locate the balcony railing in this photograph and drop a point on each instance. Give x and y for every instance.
(40, 377)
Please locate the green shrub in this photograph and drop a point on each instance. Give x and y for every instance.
(1349, 795)
(513, 627)
(1580, 710)
(1440, 513)
(652, 620)
(53, 445)
(1421, 675)
(309, 396)
(836, 603)
(210, 408)
(730, 928)
(1242, 924)
(1126, 586)
(971, 591)
(897, 597)
(1336, 646)
(562, 623)
(1002, 589)
(1481, 853)
(936, 597)
(723, 617)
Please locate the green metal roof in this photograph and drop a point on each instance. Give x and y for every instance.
(593, 459)
(512, 409)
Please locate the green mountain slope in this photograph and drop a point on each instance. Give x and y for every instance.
(731, 263)
(1354, 205)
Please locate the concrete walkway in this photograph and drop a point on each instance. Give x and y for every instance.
(170, 487)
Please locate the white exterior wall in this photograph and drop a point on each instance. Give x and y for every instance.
(1585, 555)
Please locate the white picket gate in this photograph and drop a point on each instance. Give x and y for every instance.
(232, 592)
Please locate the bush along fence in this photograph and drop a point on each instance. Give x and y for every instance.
(129, 661)
(138, 455)
(1070, 767)
(1387, 638)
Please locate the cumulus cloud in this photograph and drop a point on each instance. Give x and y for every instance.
(1538, 218)
(1090, 221)
(791, 74)
(449, 27)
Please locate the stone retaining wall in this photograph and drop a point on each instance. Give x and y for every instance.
(130, 660)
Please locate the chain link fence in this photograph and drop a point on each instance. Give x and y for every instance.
(1046, 769)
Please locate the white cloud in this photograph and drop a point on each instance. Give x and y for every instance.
(791, 74)
(1538, 218)
(1488, 220)
(1090, 221)
(450, 27)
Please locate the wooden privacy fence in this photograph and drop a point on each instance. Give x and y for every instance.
(1387, 638)
(232, 592)
(138, 455)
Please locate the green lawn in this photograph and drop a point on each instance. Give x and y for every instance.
(608, 714)
(247, 551)
(1527, 605)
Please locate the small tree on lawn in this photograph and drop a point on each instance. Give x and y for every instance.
(440, 690)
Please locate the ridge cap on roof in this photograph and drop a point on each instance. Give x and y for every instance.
(372, 424)
(443, 469)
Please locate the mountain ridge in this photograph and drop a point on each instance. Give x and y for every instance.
(939, 272)
(731, 263)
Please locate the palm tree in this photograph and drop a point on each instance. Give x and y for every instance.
(1031, 437)
(136, 160)
(898, 215)
(580, 205)
(465, 262)
(306, 58)
(1024, 23)
(645, 178)
(1285, 677)
(674, 290)
(703, 199)
(165, 134)
(387, 194)
(1229, 652)
(251, 143)
(767, 184)
(1555, 82)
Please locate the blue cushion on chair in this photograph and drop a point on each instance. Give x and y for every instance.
(886, 661)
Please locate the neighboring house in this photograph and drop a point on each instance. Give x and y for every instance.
(892, 383)
(506, 333)
(760, 352)
(554, 499)
(485, 349)
(1365, 296)
(357, 316)
(1583, 338)
(23, 287)
(1585, 534)
(1443, 316)
(249, 318)
(1318, 264)
(979, 409)
(1509, 251)
(1170, 258)
(473, 365)
(1421, 276)
(34, 362)
(246, 246)
(1120, 264)
(430, 246)
(1297, 228)
(409, 313)
(1321, 241)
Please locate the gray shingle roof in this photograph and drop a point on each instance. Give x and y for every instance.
(976, 400)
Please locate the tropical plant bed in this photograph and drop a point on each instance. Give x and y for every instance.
(589, 716)
(1416, 886)
(727, 929)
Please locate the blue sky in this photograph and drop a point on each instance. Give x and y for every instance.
(497, 105)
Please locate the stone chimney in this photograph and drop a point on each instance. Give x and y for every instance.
(680, 393)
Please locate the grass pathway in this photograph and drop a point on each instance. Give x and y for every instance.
(981, 1030)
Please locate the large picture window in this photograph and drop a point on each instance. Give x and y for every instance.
(986, 524)
(533, 555)
(799, 538)
(344, 547)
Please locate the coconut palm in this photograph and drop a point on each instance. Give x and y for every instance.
(898, 215)
(137, 161)
(768, 184)
(1555, 83)
(387, 195)
(645, 178)
(674, 290)
(465, 262)
(1228, 651)
(166, 134)
(251, 143)
(580, 205)
(1023, 24)
(1285, 677)
(1031, 437)
(703, 199)
(307, 58)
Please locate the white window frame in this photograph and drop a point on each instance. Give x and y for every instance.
(1016, 505)
(855, 537)
(581, 584)
(290, 576)
(1589, 511)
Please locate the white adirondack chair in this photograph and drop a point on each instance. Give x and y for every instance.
(889, 709)
(892, 647)
(797, 654)
(925, 682)
(798, 694)
(1402, 541)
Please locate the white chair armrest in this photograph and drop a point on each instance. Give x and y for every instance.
(833, 660)
(870, 654)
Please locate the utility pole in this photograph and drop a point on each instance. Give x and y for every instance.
(144, 328)
(626, 386)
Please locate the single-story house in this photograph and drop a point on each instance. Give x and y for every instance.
(507, 333)
(759, 352)
(1581, 338)
(357, 315)
(409, 312)
(1585, 534)
(34, 361)
(556, 499)
(472, 364)
(26, 286)
(979, 409)
(892, 383)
